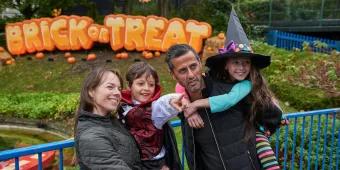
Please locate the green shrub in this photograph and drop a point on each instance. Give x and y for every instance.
(304, 98)
(39, 105)
(306, 80)
(317, 140)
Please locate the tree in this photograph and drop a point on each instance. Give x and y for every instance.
(163, 7)
(37, 8)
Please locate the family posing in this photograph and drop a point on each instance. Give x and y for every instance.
(227, 114)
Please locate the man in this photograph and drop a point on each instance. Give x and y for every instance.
(215, 143)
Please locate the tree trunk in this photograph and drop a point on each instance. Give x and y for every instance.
(287, 3)
(130, 4)
(163, 6)
(123, 5)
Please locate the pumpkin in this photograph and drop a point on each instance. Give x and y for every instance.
(209, 49)
(221, 35)
(91, 57)
(9, 62)
(124, 55)
(118, 55)
(157, 54)
(39, 55)
(148, 56)
(67, 55)
(2, 49)
(144, 53)
(71, 60)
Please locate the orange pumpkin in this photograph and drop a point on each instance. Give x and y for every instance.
(124, 55)
(2, 49)
(157, 54)
(9, 62)
(144, 53)
(67, 55)
(221, 35)
(209, 49)
(148, 56)
(39, 55)
(71, 60)
(118, 55)
(91, 57)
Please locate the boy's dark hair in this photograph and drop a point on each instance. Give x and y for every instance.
(178, 50)
(138, 69)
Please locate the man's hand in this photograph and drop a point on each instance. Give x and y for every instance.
(195, 121)
(189, 109)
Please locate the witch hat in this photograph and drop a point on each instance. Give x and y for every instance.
(237, 45)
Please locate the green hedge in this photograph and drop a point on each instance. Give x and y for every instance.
(305, 80)
(39, 105)
(304, 98)
(316, 155)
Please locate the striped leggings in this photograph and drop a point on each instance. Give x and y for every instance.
(265, 153)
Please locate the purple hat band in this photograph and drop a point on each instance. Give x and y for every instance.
(233, 47)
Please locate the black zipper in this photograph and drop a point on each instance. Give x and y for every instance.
(251, 160)
(216, 142)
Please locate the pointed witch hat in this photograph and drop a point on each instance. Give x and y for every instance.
(237, 45)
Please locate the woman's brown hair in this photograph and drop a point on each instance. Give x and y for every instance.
(91, 82)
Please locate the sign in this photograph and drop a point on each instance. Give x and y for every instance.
(138, 33)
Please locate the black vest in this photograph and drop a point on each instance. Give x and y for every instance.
(226, 141)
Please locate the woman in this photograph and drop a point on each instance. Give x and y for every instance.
(101, 141)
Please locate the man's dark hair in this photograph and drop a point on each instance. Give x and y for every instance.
(178, 50)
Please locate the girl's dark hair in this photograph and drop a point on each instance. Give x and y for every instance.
(91, 82)
(138, 69)
(260, 97)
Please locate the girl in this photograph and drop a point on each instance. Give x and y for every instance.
(145, 114)
(264, 113)
(101, 141)
(237, 62)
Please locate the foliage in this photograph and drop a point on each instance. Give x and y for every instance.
(305, 79)
(38, 8)
(316, 143)
(39, 105)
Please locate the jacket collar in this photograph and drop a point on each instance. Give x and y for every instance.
(85, 115)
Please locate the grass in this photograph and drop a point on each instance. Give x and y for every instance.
(58, 76)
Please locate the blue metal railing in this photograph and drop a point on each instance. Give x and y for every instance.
(301, 130)
(290, 41)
